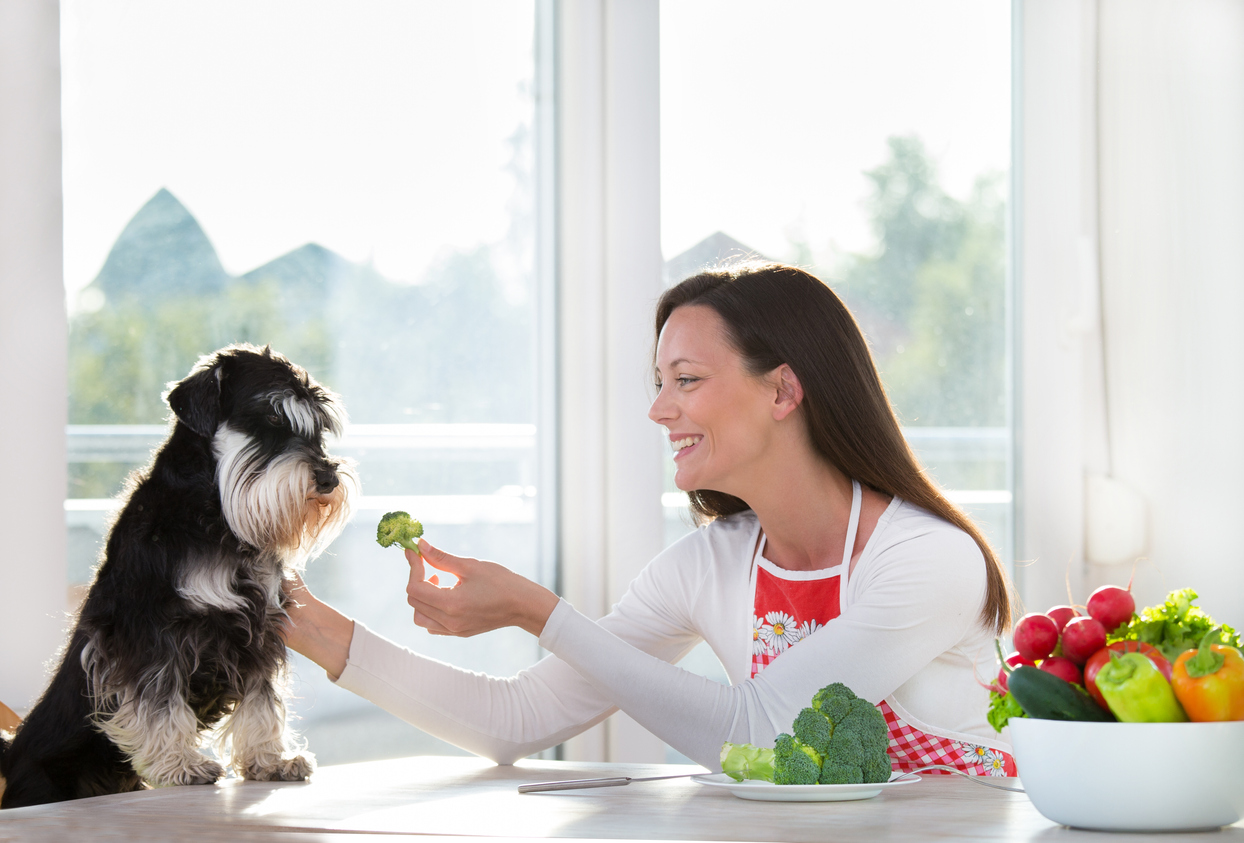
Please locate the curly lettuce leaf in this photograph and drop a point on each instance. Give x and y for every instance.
(1174, 626)
(1002, 707)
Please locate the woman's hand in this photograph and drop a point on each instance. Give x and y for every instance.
(315, 629)
(487, 596)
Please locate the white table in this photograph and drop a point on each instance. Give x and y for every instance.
(431, 797)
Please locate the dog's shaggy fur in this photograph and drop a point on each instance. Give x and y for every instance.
(181, 627)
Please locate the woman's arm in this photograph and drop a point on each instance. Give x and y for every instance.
(918, 600)
(499, 718)
(919, 603)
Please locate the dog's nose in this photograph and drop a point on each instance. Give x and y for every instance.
(325, 480)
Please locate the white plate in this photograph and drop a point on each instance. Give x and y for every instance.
(769, 792)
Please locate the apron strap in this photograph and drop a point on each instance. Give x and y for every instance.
(853, 527)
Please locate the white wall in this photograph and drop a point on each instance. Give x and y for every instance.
(33, 408)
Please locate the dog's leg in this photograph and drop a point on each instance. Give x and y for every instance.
(261, 747)
(156, 728)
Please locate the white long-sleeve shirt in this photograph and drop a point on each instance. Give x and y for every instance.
(909, 632)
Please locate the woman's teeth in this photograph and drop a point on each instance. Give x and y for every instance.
(685, 443)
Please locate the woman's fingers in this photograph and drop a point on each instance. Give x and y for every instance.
(443, 561)
(486, 595)
(437, 619)
(432, 626)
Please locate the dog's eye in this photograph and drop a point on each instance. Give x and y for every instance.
(274, 420)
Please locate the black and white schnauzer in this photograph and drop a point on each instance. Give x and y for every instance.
(182, 625)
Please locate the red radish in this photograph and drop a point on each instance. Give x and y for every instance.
(1082, 637)
(1111, 606)
(1013, 660)
(1063, 668)
(1062, 614)
(1095, 662)
(1035, 636)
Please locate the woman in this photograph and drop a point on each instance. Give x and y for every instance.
(825, 555)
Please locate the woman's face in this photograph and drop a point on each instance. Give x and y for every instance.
(719, 416)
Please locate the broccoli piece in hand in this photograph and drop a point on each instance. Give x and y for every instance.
(743, 761)
(795, 762)
(399, 528)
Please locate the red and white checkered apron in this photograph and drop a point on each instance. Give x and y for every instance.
(790, 605)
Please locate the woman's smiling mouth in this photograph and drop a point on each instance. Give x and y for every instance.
(685, 445)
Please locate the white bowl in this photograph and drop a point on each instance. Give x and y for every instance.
(1132, 776)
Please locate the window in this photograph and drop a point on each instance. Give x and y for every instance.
(367, 188)
(871, 144)
(358, 186)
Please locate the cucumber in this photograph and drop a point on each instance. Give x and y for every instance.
(1046, 697)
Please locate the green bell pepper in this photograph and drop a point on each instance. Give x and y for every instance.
(1137, 692)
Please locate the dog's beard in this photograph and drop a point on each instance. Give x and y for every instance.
(325, 516)
(272, 504)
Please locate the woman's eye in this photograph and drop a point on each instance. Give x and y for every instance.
(684, 381)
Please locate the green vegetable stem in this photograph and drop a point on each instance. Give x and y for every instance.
(1137, 692)
(743, 761)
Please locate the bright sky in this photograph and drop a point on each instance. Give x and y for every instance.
(378, 127)
(772, 111)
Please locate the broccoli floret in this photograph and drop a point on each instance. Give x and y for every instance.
(399, 528)
(795, 762)
(743, 761)
(842, 760)
(841, 739)
(877, 768)
(857, 749)
(813, 729)
(835, 773)
(834, 701)
(869, 726)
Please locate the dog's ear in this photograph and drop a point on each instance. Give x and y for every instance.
(196, 401)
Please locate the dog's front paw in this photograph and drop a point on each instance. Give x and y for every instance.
(197, 770)
(283, 770)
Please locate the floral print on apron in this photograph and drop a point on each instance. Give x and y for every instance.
(788, 606)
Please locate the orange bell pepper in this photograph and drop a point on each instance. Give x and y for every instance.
(1209, 681)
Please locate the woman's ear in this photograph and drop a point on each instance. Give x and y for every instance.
(789, 392)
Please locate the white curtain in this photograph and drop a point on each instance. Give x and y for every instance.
(1130, 260)
(1170, 136)
(33, 404)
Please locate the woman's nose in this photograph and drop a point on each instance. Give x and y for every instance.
(660, 408)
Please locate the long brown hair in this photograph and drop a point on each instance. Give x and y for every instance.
(777, 314)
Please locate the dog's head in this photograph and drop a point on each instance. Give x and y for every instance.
(266, 418)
